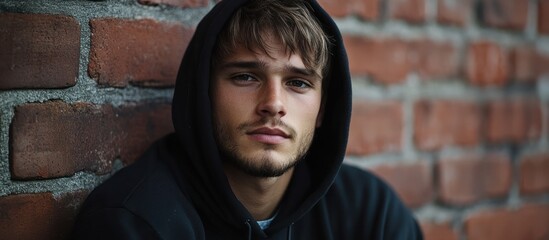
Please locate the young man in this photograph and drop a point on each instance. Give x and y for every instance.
(261, 112)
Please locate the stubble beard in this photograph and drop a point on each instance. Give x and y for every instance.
(263, 166)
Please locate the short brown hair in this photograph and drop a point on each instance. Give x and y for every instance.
(289, 21)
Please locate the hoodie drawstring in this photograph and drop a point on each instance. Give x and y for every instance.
(249, 229)
(289, 236)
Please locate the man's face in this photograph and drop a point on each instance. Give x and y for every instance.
(265, 108)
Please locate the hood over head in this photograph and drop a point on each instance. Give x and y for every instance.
(201, 161)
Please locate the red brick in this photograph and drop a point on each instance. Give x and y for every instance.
(38, 51)
(141, 52)
(523, 64)
(514, 121)
(412, 181)
(438, 231)
(337, 9)
(56, 139)
(455, 12)
(435, 59)
(409, 10)
(139, 126)
(509, 14)
(386, 60)
(534, 174)
(526, 223)
(545, 110)
(38, 216)
(177, 3)
(366, 9)
(445, 122)
(467, 179)
(375, 127)
(527, 64)
(543, 17)
(487, 64)
(541, 64)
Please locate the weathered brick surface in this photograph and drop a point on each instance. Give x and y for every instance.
(140, 125)
(455, 12)
(407, 50)
(386, 60)
(375, 127)
(177, 3)
(487, 64)
(445, 122)
(38, 51)
(56, 139)
(390, 60)
(366, 9)
(528, 64)
(523, 64)
(509, 14)
(141, 52)
(527, 222)
(433, 59)
(545, 107)
(412, 181)
(534, 174)
(409, 10)
(513, 120)
(464, 180)
(438, 231)
(541, 64)
(38, 216)
(543, 17)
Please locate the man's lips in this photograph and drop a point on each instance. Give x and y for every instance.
(269, 131)
(268, 135)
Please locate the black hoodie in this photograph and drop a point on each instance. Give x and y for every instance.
(178, 190)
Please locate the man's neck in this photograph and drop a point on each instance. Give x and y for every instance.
(260, 196)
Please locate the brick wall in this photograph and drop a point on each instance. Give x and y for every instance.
(451, 105)
(452, 109)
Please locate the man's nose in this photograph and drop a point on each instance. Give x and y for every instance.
(272, 100)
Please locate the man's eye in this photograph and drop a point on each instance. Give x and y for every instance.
(298, 84)
(243, 77)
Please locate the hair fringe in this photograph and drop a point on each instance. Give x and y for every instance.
(289, 21)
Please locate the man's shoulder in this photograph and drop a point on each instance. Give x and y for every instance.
(358, 178)
(355, 186)
(148, 191)
(133, 182)
(362, 198)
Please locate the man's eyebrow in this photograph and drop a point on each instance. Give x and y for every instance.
(301, 71)
(263, 65)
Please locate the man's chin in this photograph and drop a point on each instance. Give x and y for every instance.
(264, 167)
